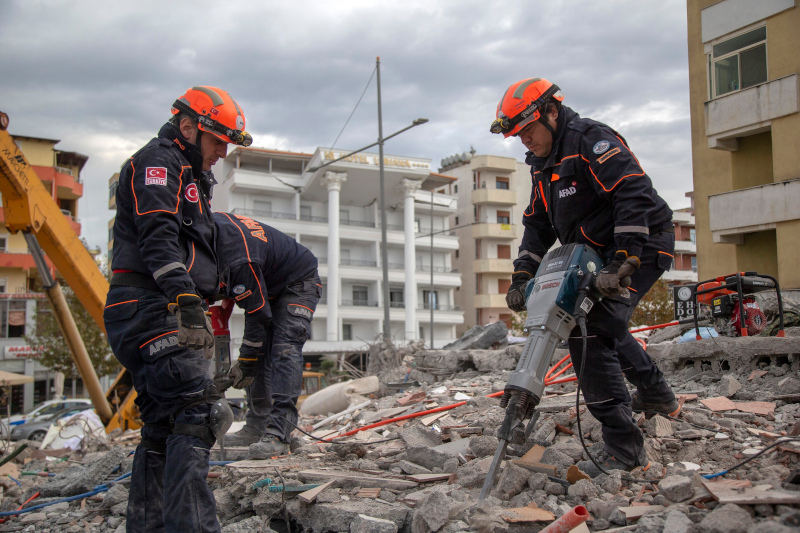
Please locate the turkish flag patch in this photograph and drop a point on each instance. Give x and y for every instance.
(155, 176)
(191, 193)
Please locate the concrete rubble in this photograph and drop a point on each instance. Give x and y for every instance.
(425, 473)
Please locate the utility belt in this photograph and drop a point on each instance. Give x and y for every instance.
(134, 279)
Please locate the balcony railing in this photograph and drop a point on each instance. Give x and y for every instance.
(263, 214)
(427, 268)
(359, 223)
(359, 303)
(440, 307)
(309, 218)
(357, 262)
(397, 305)
(396, 266)
(395, 227)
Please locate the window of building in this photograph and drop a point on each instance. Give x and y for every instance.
(110, 236)
(456, 254)
(12, 319)
(503, 285)
(455, 189)
(262, 208)
(504, 251)
(506, 317)
(502, 183)
(112, 190)
(476, 177)
(694, 263)
(416, 225)
(740, 62)
(344, 216)
(396, 298)
(360, 295)
(693, 235)
(456, 221)
(477, 249)
(344, 256)
(477, 283)
(347, 332)
(3, 284)
(305, 212)
(475, 213)
(504, 217)
(430, 298)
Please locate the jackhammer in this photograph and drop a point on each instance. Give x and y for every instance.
(557, 299)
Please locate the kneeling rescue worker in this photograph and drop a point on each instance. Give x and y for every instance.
(164, 266)
(588, 188)
(274, 279)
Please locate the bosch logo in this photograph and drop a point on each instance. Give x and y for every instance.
(550, 285)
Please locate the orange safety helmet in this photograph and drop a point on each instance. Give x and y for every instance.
(524, 102)
(216, 113)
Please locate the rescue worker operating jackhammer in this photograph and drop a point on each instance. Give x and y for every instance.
(274, 279)
(164, 266)
(588, 188)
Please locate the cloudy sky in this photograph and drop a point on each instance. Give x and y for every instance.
(101, 76)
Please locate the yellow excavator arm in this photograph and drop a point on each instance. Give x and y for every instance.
(30, 208)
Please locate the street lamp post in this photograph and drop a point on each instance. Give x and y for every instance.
(387, 331)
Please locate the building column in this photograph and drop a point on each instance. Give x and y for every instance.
(409, 189)
(333, 181)
(297, 205)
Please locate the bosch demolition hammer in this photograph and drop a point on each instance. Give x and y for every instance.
(561, 294)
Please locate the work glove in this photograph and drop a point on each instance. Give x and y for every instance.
(194, 327)
(243, 372)
(615, 277)
(516, 292)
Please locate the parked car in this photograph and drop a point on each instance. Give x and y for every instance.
(36, 430)
(44, 409)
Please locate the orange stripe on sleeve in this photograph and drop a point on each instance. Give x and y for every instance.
(120, 303)
(588, 239)
(157, 337)
(263, 302)
(244, 240)
(544, 200)
(665, 253)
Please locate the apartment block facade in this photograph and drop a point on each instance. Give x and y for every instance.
(492, 193)
(60, 172)
(744, 75)
(334, 211)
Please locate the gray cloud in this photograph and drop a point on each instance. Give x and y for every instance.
(101, 76)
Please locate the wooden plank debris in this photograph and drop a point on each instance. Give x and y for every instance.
(719, 403)
(759, 494)
(368, 493)
(686, 397)
(428, 420)
(764, 433)
(530, 513)
(411, 397)
(663, 426)
(637, 511)
(428, 478)
(356, 480)
(310, 496)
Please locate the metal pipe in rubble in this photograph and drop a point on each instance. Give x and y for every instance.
(70, 331)
(576, 516)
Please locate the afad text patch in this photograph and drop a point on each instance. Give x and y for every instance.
(192, 194)
(300, 310)
(164, 342)
(155, 176)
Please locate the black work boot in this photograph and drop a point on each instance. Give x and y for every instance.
(608, 462)
(241, 439)
(669, 408)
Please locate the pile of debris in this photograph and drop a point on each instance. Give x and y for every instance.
(414, 460)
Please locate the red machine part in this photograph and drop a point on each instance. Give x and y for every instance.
(754, 323)
(220, 315)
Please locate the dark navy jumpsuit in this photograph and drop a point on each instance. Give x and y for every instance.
(274, 279)
(164, 246)
(592, 190)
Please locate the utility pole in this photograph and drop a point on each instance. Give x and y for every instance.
(387, 329)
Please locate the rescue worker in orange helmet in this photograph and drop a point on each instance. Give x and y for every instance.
(588, 188)
(164, 267)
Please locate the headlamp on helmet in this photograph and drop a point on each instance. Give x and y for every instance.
(522, 103)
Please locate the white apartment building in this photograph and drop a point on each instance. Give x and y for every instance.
(334, 211)
(492, 193)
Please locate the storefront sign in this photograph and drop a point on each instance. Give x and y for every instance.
(22, 352)
(373, 160)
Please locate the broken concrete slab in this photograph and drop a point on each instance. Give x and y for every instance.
(728, 385)
(676, 488)
(254, 524)
(480, 337)
(431, 513)
(728, 518)
(339, 516)
(372, 524)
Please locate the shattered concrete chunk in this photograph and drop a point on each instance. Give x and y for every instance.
(116, 494)
(537, 481)
(472, 474)
(412, 468)
(676, 488)
(651, 523)
(728, 386)
(771, 526)
(431, 513)
(420, 436)
(483, 445)
(511, 482)
(584, 490)
(371, 524)
(677, 522)
(560, 460)
(546, 434)
(254, 524)
(728, 518)
(427, 457)
(480, 337)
